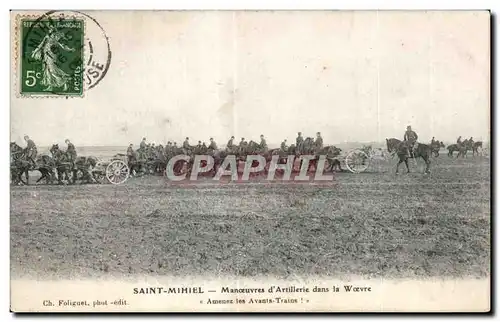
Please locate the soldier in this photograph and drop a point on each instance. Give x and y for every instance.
(263, 144)
(299, 141)
(319, 141)
(213, 145)
(199, 145)
(459, 140)
(410, 137)
(284, 148)
(71, 152)
(143, 145)
(185, 146)
(204, 146)
(130, 153)
(433, 141)
(30, 150)
(230, 143)
(243, 143)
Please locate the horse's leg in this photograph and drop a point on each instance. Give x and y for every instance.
(52, 176)
(427, 164)
(397, 166)
(59, 175)
(19, 177)
(44, 175)
(26, 174)
(407, 166)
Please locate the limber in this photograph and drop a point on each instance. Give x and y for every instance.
(253, 164)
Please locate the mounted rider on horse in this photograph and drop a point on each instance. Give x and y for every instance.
(30, 151)
(410, 139)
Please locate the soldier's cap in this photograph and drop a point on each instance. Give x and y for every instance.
(26, 137)
(232, 137)
(300, 133)
(143, 139)
(187, 138)
(242, 138)
(318, 133)
(211, 139)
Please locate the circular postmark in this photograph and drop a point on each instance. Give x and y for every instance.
(62, 53)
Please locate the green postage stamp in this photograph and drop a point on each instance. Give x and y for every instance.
(51, 56)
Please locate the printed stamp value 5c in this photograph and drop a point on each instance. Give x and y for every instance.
(52, 56)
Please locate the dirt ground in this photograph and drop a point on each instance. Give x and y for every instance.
(373, 224)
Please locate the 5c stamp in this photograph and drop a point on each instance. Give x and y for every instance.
(52, 56)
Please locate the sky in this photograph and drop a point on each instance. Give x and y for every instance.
(354, 76)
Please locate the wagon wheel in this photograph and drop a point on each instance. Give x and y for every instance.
(99, 171)
(117, 172)
(357, 161)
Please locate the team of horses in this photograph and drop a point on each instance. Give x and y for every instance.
(464, 147)
(58, 166)
(155, 159)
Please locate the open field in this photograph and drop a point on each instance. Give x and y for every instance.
(369, 224)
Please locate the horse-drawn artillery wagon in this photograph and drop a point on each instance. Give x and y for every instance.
(115, 171)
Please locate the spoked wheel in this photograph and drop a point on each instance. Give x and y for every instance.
(357, 161)
(99, 172)
(117, 172)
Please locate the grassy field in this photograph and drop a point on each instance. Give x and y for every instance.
(374, 224)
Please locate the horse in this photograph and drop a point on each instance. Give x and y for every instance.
(453, 148)
(19, 164)
(467, 145)
(476, 146)
(331, 152)
(392, 145)
(84, 165)
(62, 163)
(463, 148)
(435, 147)
(46, 166)
(423, 151)
(308, 146)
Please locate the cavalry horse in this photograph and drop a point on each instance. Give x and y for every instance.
(453, 148)
(84, 165)
(46, 166)
(19, 164)
(63, 164)
(476, 146)
(402, 150)
(435, 147)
